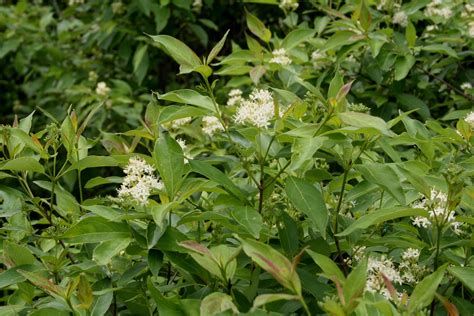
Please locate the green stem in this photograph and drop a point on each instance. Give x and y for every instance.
(305, 306)
(336, 221)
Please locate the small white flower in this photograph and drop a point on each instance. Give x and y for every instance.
(400, 18)
(466, 86)
(376, 267)
(184, 147)
(211, 124)
(469, 119)
(258, 110)
(280, 56)
(411, 254)
(197, 5)
(139, 182)
(319, 59)
(289, 4)
(73, 2)
(470, 30)
(438, 9)
(235, 97)
(421, 221)
(102, 88)
(457, 228)
(175, 124)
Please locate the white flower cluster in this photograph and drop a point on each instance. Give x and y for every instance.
(375, 268)
(258, 110)
(411, 270)
(437, 8)
(408, 271)
(470, 30)
(184, 147)
(400, 18)
(280, 57)
(197, 5)
(139, 182)
(73, 2)
(102, 88)
(235, 97)
(319, 59)
(289, 4)
(211, 124)
(469, 119)
(466, 86)
(175, 124)
(92, 76)
(438, 213)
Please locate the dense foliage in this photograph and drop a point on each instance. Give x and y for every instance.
(309, 158)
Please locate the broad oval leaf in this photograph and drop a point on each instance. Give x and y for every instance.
(188, 96)
(169, 161)
(180, 52)
(308, 200)
(94, 229)
(380, 216)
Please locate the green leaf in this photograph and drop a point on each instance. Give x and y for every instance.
(425, 290)
(140, 63)
(216, 49)
(410, 34)
(18, 254)
(296, 37)
(218, 177)
(380, 216)
(274, 263)
(335, 85)
(94, 162)
(166, 306)
(410, 102)
(385, 176)
(363, 120)
(216, 303)
(155, 261)
(465, 275)
(257, 27)
(104, 252)
(188, 96)
(22, 164)
(342, 38)
(288, 234)
(249, 218)
(403, 65)
(94, 229)
(180, 52)
(169, 161)
(441, 49)
(308, 200)
(355, 283)
(330, 269)
(269, 298)
(107, 212)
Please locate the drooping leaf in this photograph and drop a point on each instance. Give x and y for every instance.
(425, 290)
(169, 160)
(308, 200)
(274, 263)
(180, 52)
(217, 176)
(385, 176)
(380, 216)
(188, 96)
(257, 27)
